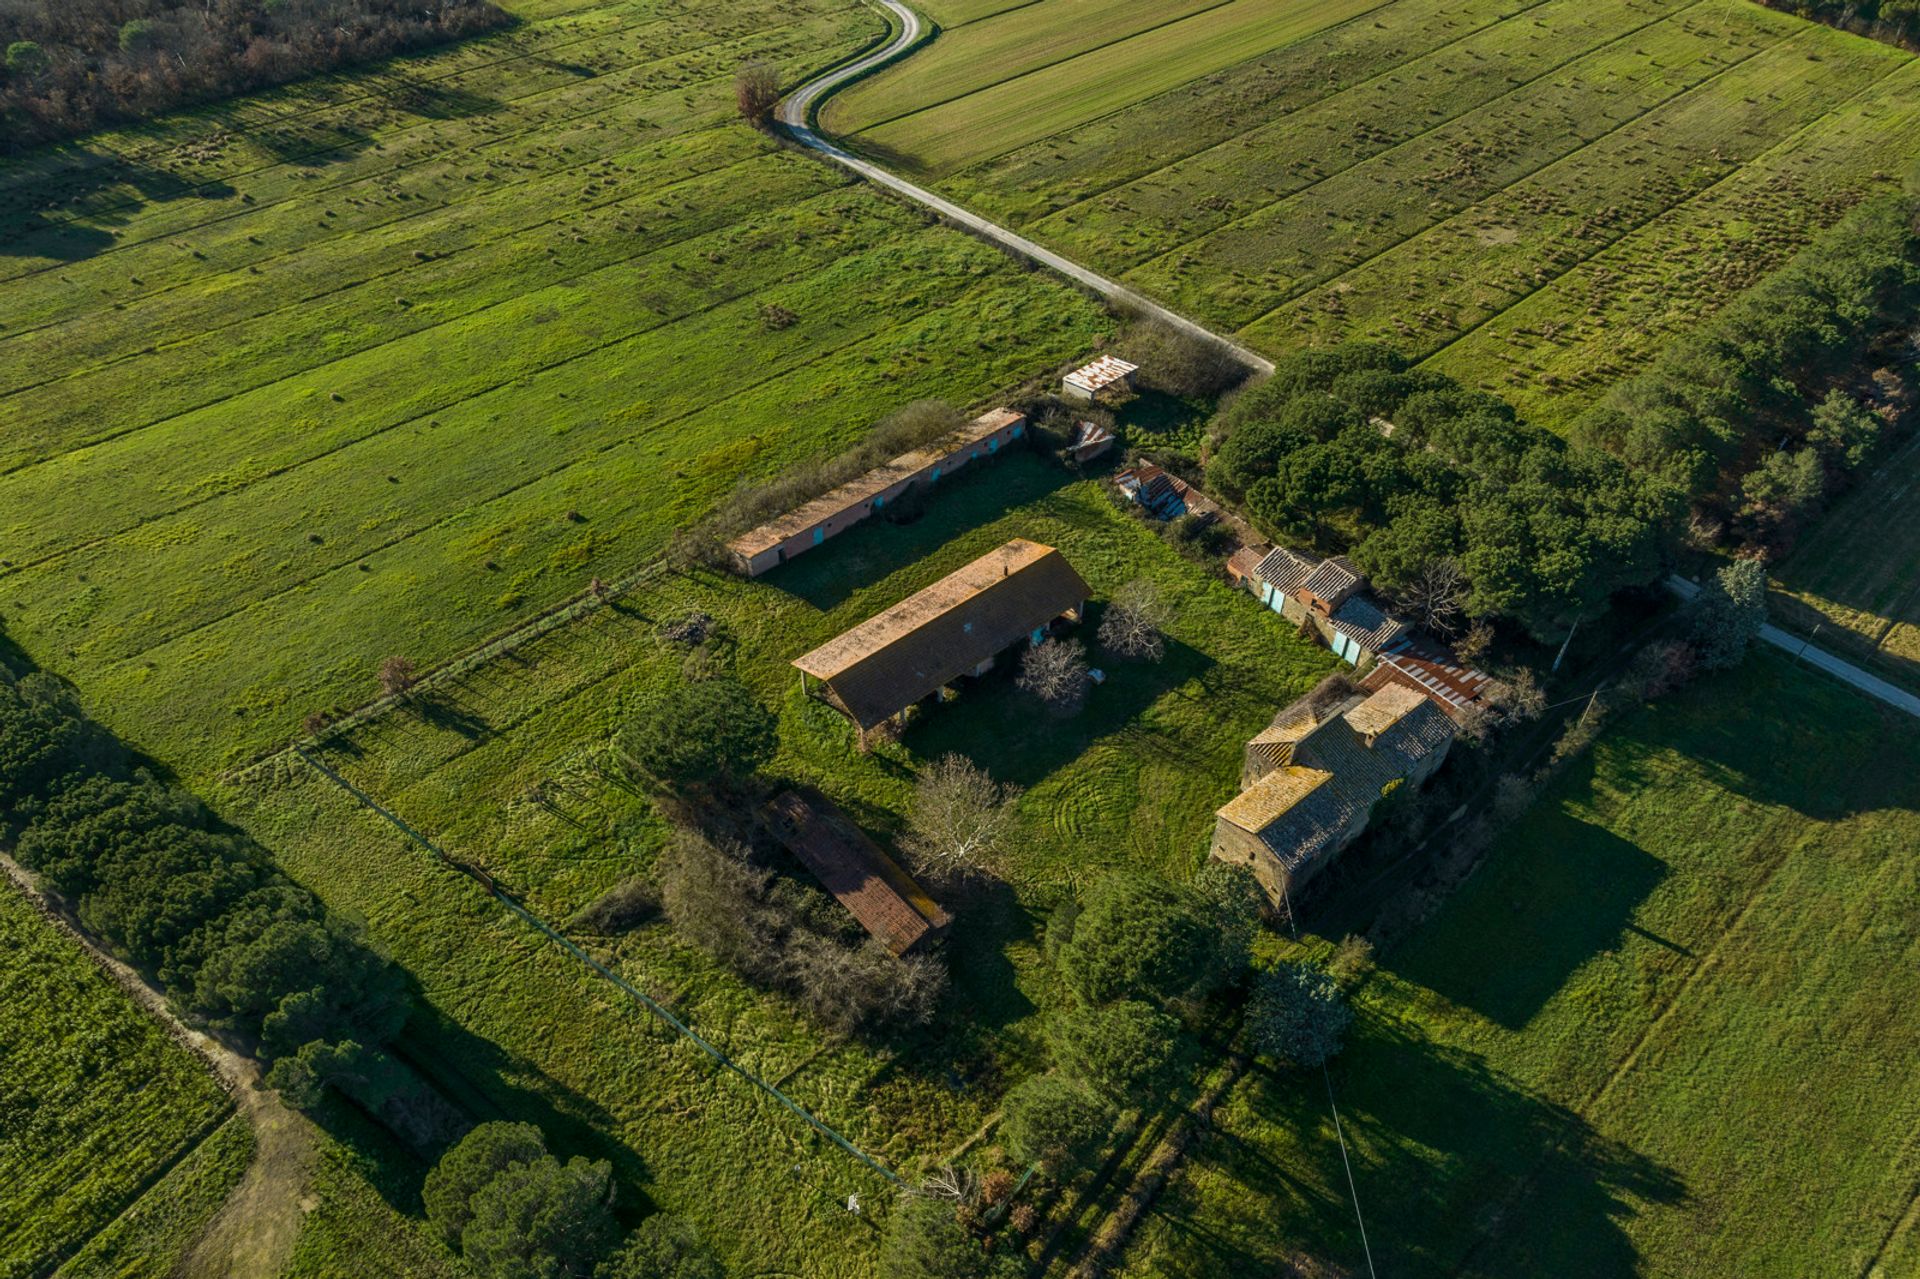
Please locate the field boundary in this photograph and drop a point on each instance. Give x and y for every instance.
(486, 882)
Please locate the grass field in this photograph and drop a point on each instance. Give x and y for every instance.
(149, 1240)
(523, 1030)
(1529, 193)
(95, 1101)
(1855, 578)
(385, 362)
(1659, 1032)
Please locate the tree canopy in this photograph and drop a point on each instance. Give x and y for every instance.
(1136, 936)
(1125, 1049)
(515, 1211)
(1055, 1122)
(1298, 1015)
(701, 732)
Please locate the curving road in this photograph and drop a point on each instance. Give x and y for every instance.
(796, 111)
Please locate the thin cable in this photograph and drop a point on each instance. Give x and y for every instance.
(1339, 1131)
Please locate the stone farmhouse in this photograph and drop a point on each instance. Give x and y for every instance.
(839, 509)
(1330, 595)
(954, 628)
(1311, 780)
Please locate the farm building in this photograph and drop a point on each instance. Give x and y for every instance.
(953, 628)
(837, 510)
(1311, 780)
(1330, 596)
(1105, 378)
(1432, 669)
(1162, 494)
(861, 877)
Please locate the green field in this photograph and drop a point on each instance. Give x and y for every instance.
(149, 1240)
(96, 1102)
(523, 1030)
(1855, 577)
(389, 361)
(1532, 194)
(1660, 1031)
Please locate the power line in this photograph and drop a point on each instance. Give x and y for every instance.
(486, 881)
(1339, 1131)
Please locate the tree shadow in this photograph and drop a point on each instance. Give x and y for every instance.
(104, 189)
(1554, 903)
(440, 711)
(1458, 1172)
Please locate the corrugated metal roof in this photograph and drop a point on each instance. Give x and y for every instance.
(1432, 670)
(1101, 374)
(1285, 570)
(1333, 576)
(1362, 619)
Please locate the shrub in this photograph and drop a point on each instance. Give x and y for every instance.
(1298, 1015)
(1124, 1049)
(1179, 362)
(664, 1247)
(699, 733)
(1054, 1122)
(627, 905)
(925, 1240)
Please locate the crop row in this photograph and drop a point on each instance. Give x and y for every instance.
(95, 1100)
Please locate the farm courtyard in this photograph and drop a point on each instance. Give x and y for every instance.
(391, 360)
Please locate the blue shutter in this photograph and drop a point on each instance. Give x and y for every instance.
(819, 534)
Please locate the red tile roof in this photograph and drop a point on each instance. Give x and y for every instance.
(873, 888)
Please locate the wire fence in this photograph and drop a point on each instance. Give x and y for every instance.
(620, 983)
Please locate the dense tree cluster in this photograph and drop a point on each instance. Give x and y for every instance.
(699, 733)
(1742, 416)
(1894, 21)
(72, 65)
(789, 936)
(1348, 449)
(156, 876)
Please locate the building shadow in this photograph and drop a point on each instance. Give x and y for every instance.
(1558, 891)
(1458, 1172)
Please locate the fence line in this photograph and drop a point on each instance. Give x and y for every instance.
(552, 934)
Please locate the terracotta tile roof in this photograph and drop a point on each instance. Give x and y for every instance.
(1339, 766)
(857, 491)
(1245, 562)
(861, 877)
(938, 634)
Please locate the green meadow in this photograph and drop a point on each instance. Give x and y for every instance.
(1659, 1031)
(388, 362)
(1530, 194)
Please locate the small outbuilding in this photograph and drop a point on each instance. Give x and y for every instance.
(885, 899)
(1108, 377)
(954, 628)
(1088, 441)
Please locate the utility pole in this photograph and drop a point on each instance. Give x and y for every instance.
(1562, 654)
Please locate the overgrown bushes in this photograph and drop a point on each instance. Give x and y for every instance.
(157, 877)
(777, 932)
(77, 64)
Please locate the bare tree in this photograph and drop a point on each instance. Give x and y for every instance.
(1136, 622)
(1434, 598)
(397, 677)
(756, 87)
(1056, 673)
(961, 816)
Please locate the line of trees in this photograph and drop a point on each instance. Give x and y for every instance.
(1894, 21)
(1747, 416)
(238, 947)
(73, 65)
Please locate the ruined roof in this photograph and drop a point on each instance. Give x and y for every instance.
(1285, 570)
(1101, 374)
(861, 877)
(855, 492)
(1433, 670)
(1363, 619)
(1245, 562)
(894, 659)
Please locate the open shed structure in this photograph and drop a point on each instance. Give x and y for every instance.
(956, 627)
(886, 900)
